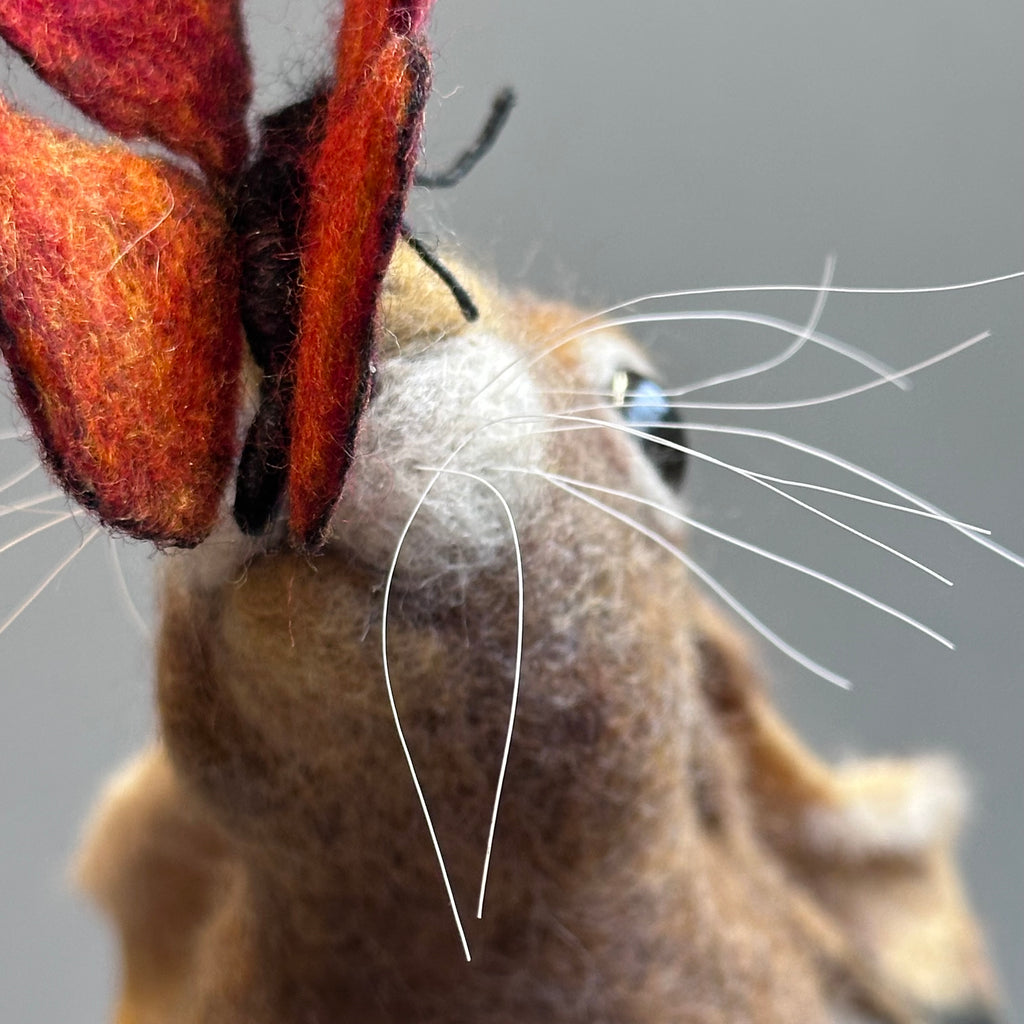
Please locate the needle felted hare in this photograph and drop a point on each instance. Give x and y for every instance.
(665, 847)
(448, 653)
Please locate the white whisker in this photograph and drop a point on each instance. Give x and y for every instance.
(143, 235)
(798, 343)
(16, 478)
(797, 403)
(637, 430)
(685, 293)
(841, 348)
(689, 293)
(49, 578)
(724, 595)
(29, 504)
(385, 605)
(835, 396)
(864, 474)
(923, 511)
(60, 517)
(517, 673)
(124, 592)
(853, 496)
(757, 550)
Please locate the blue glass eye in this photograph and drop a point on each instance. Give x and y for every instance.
(643, 404)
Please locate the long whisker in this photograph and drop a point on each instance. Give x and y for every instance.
(841, 348)
(588, 324)
(385, 606)
(892, 505)
(685, 293)
(754, 548)
(921, 511)
(763, 289)
(920, 506)
(864, 474)
(28, 504)
(754, 474)
(637, 430)
(16, 478)
(724, 595)
(125, 592)
(517, 673)
(835, 396)
(799, 403)
(59, 517)
(828, 272)
(49, 578)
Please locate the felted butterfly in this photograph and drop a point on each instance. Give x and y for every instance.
(119, 298)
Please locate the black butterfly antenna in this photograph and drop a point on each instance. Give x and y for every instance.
(466, 305)
(501, 107)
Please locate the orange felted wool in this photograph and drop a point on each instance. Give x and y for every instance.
(118, 296)
(174, 70)
(358, 180)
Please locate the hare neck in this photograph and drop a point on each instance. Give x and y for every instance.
(604, 867)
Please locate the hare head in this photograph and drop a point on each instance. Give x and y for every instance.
(434, 680)
(664, 847)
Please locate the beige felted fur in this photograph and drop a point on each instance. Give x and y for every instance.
(666, 849)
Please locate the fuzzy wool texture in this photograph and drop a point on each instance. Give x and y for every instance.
(117, 291)
(651, 861)
(179, 73)
(666, 848)
(891, 808)
(176, 71)
(873, 841)
(429, 407)
(269, 201)
(359, 178)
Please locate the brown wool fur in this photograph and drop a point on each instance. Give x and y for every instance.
(666, 850)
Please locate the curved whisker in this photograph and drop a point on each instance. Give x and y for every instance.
(865, 474)
(864, 499)
(517, 672)
(799, 403)
(717, 588)
(764, 289)
(60, 517)
(835, 396)
(636, 430)
(771, 556)
(791, 350)
(923, 510)
(16, 478)
(125, 593)
(29, 504)
(49, 578)
(841, 348)
(420, 795)
(590, 322)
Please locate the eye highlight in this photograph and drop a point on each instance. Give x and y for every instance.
(643, 404)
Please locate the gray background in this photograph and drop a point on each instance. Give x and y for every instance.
(664, 145)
